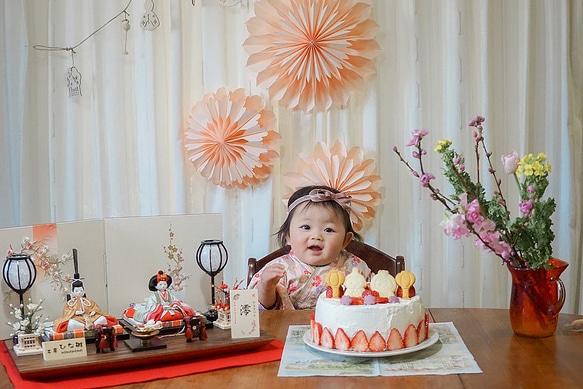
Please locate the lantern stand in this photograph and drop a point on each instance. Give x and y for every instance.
(212, 258)
(19, 273)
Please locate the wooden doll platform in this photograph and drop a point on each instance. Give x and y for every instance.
(219, 342)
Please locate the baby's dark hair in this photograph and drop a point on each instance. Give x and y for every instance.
(283, 231)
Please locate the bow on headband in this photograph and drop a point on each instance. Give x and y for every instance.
(319, 195)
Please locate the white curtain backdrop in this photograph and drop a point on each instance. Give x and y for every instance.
(117, 150)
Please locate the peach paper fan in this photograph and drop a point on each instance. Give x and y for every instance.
(345, 171)
(231, 140)
(311, 53)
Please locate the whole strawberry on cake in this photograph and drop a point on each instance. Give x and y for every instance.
(384, 315)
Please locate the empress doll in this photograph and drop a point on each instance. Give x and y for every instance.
(161, 305)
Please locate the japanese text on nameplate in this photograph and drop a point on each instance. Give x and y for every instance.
(244, 314)
(64, 349)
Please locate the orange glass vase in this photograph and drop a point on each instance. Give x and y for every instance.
(536, 299)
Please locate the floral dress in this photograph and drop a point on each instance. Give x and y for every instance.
(302, 284)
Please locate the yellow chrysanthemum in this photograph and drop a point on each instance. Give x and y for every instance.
(538, 168)
(528, 170)
(541, 156)
(442, 144)
(527, 159)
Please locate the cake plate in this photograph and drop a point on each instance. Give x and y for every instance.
(432, 338)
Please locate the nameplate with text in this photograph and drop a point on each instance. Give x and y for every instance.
(244, 313)
(64, 349)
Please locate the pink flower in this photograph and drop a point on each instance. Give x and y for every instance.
(473, 212)
(425, 179)
(510, 162)
(417, 136)
(476, 121)
(526, 206)
(455, 226)
(501, 248)
(486, 225)
(530, 189)
(463, 204)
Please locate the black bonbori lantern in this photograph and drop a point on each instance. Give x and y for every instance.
(19, 273)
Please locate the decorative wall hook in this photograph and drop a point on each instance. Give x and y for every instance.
(73, 78)
(125, 24)
(150, 20)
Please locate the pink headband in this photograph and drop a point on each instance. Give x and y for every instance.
(320, 195)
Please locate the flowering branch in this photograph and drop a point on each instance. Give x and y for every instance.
(51, 264)
(27, 323)
(175, 269)
(524, 242)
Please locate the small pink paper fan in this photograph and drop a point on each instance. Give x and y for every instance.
(230, 138)
(345, 171)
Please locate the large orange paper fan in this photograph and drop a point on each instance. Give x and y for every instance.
(345, 171)
(230, 138)
(311, 53)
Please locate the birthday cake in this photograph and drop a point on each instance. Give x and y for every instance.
(355, 316)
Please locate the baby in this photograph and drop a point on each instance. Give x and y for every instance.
(318, 229)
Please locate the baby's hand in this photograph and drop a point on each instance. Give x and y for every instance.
(272, 274)
(267, 284)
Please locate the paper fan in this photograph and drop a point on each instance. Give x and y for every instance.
(347, 172)
(311, 53)
(230, 138)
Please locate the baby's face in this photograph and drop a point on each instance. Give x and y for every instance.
(317, 235)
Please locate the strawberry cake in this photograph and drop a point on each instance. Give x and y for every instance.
(361, 317)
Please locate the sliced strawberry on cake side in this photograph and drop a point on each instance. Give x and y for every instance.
(377, 342)
(423, 329)
(411, 338)
(327, 339)
(395, 341)
(359, 342)
(317, 333)
(421, 334)
(341, 340)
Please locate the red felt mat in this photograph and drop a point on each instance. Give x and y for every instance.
(268, 353)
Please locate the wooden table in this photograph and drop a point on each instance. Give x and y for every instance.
(507, 360)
